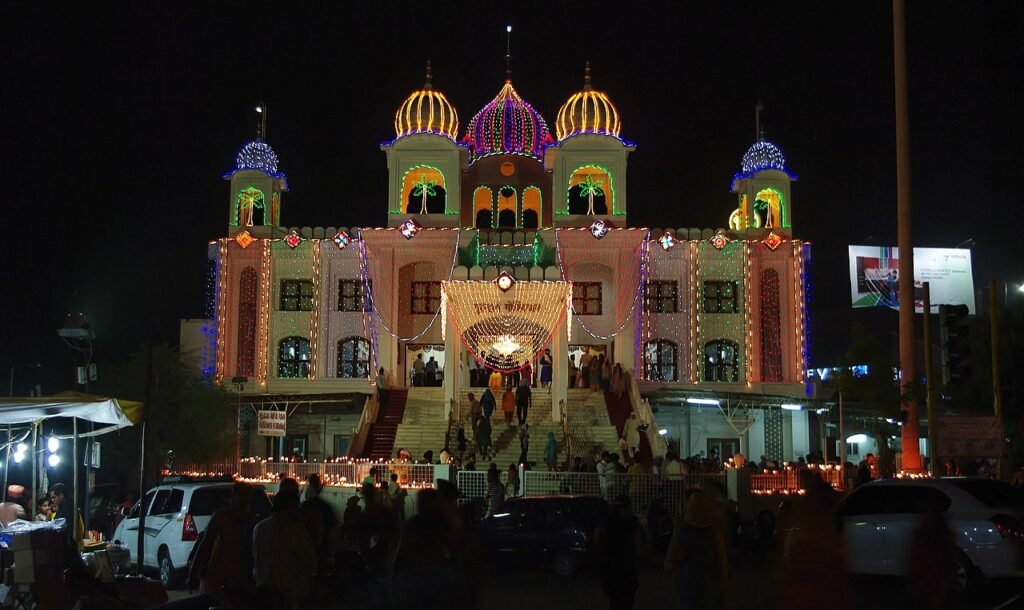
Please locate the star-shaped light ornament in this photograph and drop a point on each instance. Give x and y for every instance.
(409, 228)
(505, 281)
(667, 241)
(599, 228)
(244, 239)
(293, 239)
(719, 241)
(342, 239)
(772, 241)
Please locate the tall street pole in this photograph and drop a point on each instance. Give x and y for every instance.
(997, 397)
(911, 428)
(929, 375)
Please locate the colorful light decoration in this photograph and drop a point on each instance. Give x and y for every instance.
(409, 228)
(507, 125)
(342, 239)
(314, 318)
(222, 309)
(763, 155)
(424, 188)
(599, 228)
(504, 281)
(263, 314)
(588, 111)
(771, 327)
(667, 241)
(244, 239)
(773, 241)
(505, 329)
(719, 241)
(257, 155)
(427, 111)
(293, 239)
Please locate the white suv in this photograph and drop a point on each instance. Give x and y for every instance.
(177, 512)
(986, 518)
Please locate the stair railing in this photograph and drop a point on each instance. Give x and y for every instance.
(566, 434)
(643, 410)
(362, 429)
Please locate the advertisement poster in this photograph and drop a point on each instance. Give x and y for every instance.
(875, 280)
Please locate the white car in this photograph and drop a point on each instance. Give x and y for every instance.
(177, 513)
(986, 519)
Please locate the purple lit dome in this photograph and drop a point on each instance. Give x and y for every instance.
(507, 125)
(258, 155)
(763, 155)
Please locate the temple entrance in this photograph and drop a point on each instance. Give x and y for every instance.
(580, 358)
(431, 374)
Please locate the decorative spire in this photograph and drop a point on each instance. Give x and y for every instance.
(758, 128)
(508, 53)
(586, 77)
(430, 76)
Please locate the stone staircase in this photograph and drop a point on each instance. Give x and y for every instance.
(589, 426)
(424, 425)
(619, 409)
(505, 438)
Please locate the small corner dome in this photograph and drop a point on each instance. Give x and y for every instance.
(588, 111)
(427, 111)
(257, 155)
(763, 155)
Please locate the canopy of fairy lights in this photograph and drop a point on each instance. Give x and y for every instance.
(508, 325)
(508, 124)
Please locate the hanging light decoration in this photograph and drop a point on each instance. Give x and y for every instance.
(342, 239)
(599, 228)
(293, 239)
(773, 241)
(244, 239)
(504, 281)
(409, 228)
(667, 241)
(719, 241)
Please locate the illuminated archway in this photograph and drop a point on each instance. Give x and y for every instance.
(532, 203)
(423, 191)
(249, 201)
(483, 208)
(590, 187)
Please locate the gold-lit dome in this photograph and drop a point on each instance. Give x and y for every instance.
(427, 111)
(588, 111)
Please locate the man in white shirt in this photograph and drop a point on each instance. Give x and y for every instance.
(602, 470)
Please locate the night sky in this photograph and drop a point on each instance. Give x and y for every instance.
(119, 122)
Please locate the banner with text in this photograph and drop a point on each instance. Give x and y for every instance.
(968, 437)
(875, 281)
(272, 423)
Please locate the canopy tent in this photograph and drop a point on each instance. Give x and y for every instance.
(87, 407)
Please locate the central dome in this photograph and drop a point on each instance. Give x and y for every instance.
(508, 124)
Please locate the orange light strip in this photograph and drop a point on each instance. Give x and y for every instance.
(747, 306)
(694, 313)
(314, 319)
(222, 309)
(263, 315)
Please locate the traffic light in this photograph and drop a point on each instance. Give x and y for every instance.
(954, 337)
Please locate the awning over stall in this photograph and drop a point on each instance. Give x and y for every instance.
(97, 409)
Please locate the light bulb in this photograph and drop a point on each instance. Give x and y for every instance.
(18, 457)
(53, 460)
(21, 448)
(52, 444)
(508, 29)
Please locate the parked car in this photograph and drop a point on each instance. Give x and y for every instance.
(553, 530)
(177, 513)
(986, 518)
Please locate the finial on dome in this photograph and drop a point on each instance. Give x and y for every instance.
(586, 77)
(427, 86)
(508, 53)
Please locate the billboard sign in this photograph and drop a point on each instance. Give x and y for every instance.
(272, 423)
(875, 281)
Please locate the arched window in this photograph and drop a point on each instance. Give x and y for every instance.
(353, 358)
(590, 191)
(721, 361)
(293, 357)
(423, 190)
(247, 286)
(250, 207)
(507, 206)
(768, 207)
(661, 358)
(483, 203)
(771, 327)
(531, 207)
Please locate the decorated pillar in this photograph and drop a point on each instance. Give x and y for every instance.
(452, 367)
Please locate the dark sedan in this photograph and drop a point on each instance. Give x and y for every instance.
(549, 530)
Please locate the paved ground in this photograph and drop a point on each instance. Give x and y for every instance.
(754, 586)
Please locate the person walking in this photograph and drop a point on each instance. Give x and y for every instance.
(223, 560)
(523, 400)
(418, 368)
(696, 554)
(606, 374)
(475, 412)
(551, 453)
(595, 374)
(320, 520)
(524, 444)
(618, 381)
(528, 373)
(512, 481)
(488, 404)
(495, 493)
(545, 368)
(631, 432)
(508, 405)
(495, 382)
(572, 371)
(461, 442)
(398, 496)
(430, 370)
(483, 438)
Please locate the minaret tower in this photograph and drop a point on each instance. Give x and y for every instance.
(763, 187)
(254, 203)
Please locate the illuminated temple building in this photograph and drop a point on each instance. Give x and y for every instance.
(302, 318)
